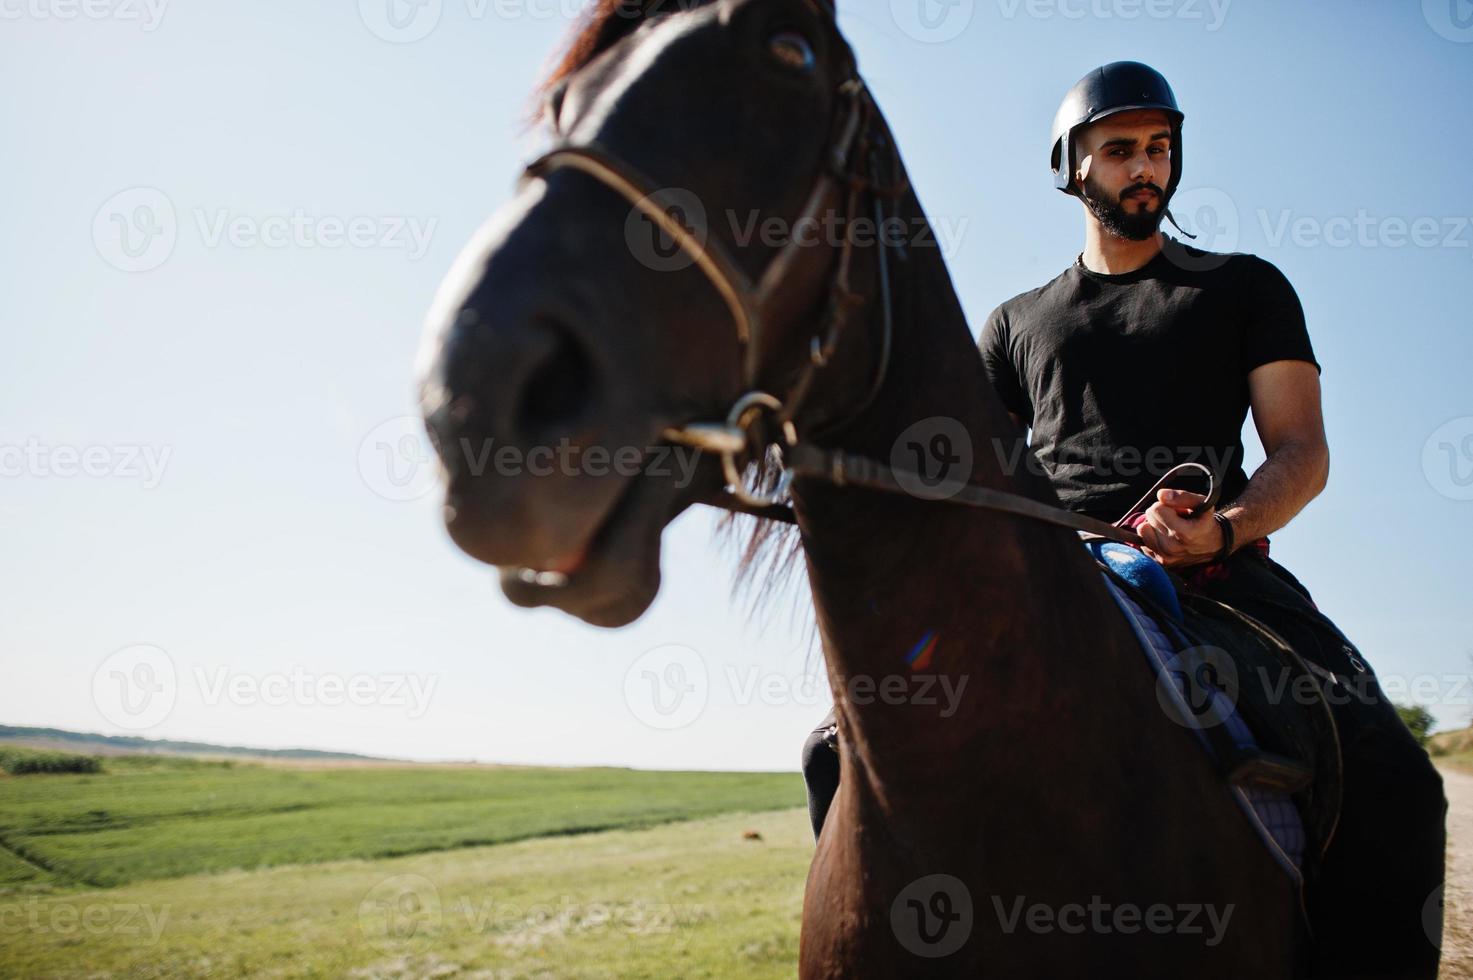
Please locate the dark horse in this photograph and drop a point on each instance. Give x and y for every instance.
(1058, 823)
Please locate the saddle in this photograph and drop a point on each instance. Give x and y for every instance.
(1257, 706)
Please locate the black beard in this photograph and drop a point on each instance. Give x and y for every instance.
(1135, 226)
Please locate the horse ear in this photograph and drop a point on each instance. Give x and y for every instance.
(830, 7)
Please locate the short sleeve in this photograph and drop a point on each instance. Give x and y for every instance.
(997, 361)
(1273, 318)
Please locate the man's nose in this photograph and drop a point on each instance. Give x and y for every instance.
(1143, 169)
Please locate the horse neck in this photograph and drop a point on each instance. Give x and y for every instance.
(888, 571)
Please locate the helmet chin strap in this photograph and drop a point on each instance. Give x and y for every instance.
(1172, 218)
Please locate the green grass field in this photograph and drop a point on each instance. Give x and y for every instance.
(176, 867)
(156, 819)
(692, 900)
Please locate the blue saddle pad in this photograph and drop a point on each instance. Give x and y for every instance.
(1140, 571)
(1273, 815)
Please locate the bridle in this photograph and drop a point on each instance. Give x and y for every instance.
(758, 420)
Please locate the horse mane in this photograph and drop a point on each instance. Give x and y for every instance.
(769, 554)
(768, 551)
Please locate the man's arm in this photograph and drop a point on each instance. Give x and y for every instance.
(1285, 398)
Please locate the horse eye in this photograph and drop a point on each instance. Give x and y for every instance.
(793, 50)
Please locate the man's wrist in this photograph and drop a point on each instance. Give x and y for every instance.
(1229, 536)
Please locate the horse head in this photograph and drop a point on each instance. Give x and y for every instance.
(687, 242)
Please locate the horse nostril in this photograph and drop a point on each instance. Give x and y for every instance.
(558, 390)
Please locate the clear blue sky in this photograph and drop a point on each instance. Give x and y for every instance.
(252, 361)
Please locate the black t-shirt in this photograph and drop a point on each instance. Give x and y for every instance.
(1123, 377)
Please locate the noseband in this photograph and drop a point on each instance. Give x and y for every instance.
(851, 170)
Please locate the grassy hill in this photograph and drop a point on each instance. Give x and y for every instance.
(94, 744)
(1454, 748)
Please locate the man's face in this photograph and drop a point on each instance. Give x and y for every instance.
(1124, 167)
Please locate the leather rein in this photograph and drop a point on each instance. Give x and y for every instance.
(851, 171)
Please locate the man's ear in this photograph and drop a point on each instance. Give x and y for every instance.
(1082, 173)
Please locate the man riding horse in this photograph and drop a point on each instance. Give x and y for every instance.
(1146, 353)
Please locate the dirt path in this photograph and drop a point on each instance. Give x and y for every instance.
(1457, 932)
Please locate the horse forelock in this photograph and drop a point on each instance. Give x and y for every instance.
(605, 23)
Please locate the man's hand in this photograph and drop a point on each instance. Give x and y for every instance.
(1174, 535)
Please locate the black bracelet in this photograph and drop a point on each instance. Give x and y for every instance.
(1227, 536)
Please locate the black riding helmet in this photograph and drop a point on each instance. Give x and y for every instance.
(1117, 87)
